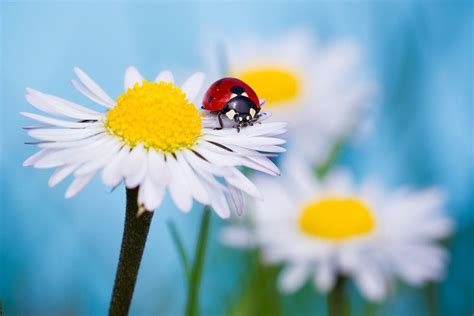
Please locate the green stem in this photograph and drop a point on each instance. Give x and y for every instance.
(135, 233)
(338, 302)
(322, 169)
(192, 308)
(181, 251)
(259, 295)
(431, 296)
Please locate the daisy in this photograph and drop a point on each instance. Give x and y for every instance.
(152, 137)
(322, 230)
(313, 87)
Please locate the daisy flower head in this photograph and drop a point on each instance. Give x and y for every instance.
(318, 89)
(152, 137)
(321, 230)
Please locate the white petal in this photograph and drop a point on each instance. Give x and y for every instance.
(178, 186)
(256, 130)
(370, 281)
(245, 141)
(201, 165)
(74, 155)
(30, 161)
(60, 174)
(93, 87)
(223, 159)
(195, 184)
(235, 199)
(78, 184)
(218, 202)
(325, 276)
(158, 170)
(192, 85)
(165, 76)
(102, 158)
(240, 181)
(135, 166)
(292, 278)
(63, 134)
(112, 175)
(74, 143)
(88, 94)
(56, 122)
(57, 106)
(150, 194)
(132, 76)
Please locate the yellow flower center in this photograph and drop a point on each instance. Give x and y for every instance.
(157, 115)
(275, 84)
(336, 218)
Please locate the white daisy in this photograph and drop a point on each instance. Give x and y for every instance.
(319, 90)
(152, 137)
(321, 230)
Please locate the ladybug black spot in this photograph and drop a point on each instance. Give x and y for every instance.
(237, 90)
(209, 100)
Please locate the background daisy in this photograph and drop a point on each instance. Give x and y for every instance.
(317, 87)
(322, 230)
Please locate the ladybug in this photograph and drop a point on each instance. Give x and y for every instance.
(233, 98)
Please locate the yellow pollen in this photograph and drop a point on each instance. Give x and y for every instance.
(157, 115)
(336, 218)
(277, 85)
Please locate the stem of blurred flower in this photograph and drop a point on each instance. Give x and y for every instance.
(259, 295)
(181, 251)
(338, 302)
(192, 308)
(323, 168)
(135, 233)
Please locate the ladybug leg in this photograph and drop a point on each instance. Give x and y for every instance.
(219, 118)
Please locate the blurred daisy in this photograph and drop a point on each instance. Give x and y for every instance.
(319, 90)
(320, 231)
(151, 137)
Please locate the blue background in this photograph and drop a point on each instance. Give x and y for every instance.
(59, 256)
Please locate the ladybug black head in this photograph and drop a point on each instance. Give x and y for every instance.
(241, 109)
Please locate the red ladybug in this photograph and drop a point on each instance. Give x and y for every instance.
(233, 98)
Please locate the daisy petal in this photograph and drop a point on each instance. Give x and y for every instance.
(195, 185)
(165, 76)
(370, 281)
(240, 181)
(236, 199)
(192, 85)
(132, 77)
(325, 276)
(56, 122)
(60, 174)
(78, 184)
(178, 186)
(64, 134)
(93, 87)
(111, 174)
(150, 194)
(292, 278)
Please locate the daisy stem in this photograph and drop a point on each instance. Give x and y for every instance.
(135, 233)
(322, 169)
(338, 302)
(192, 308)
